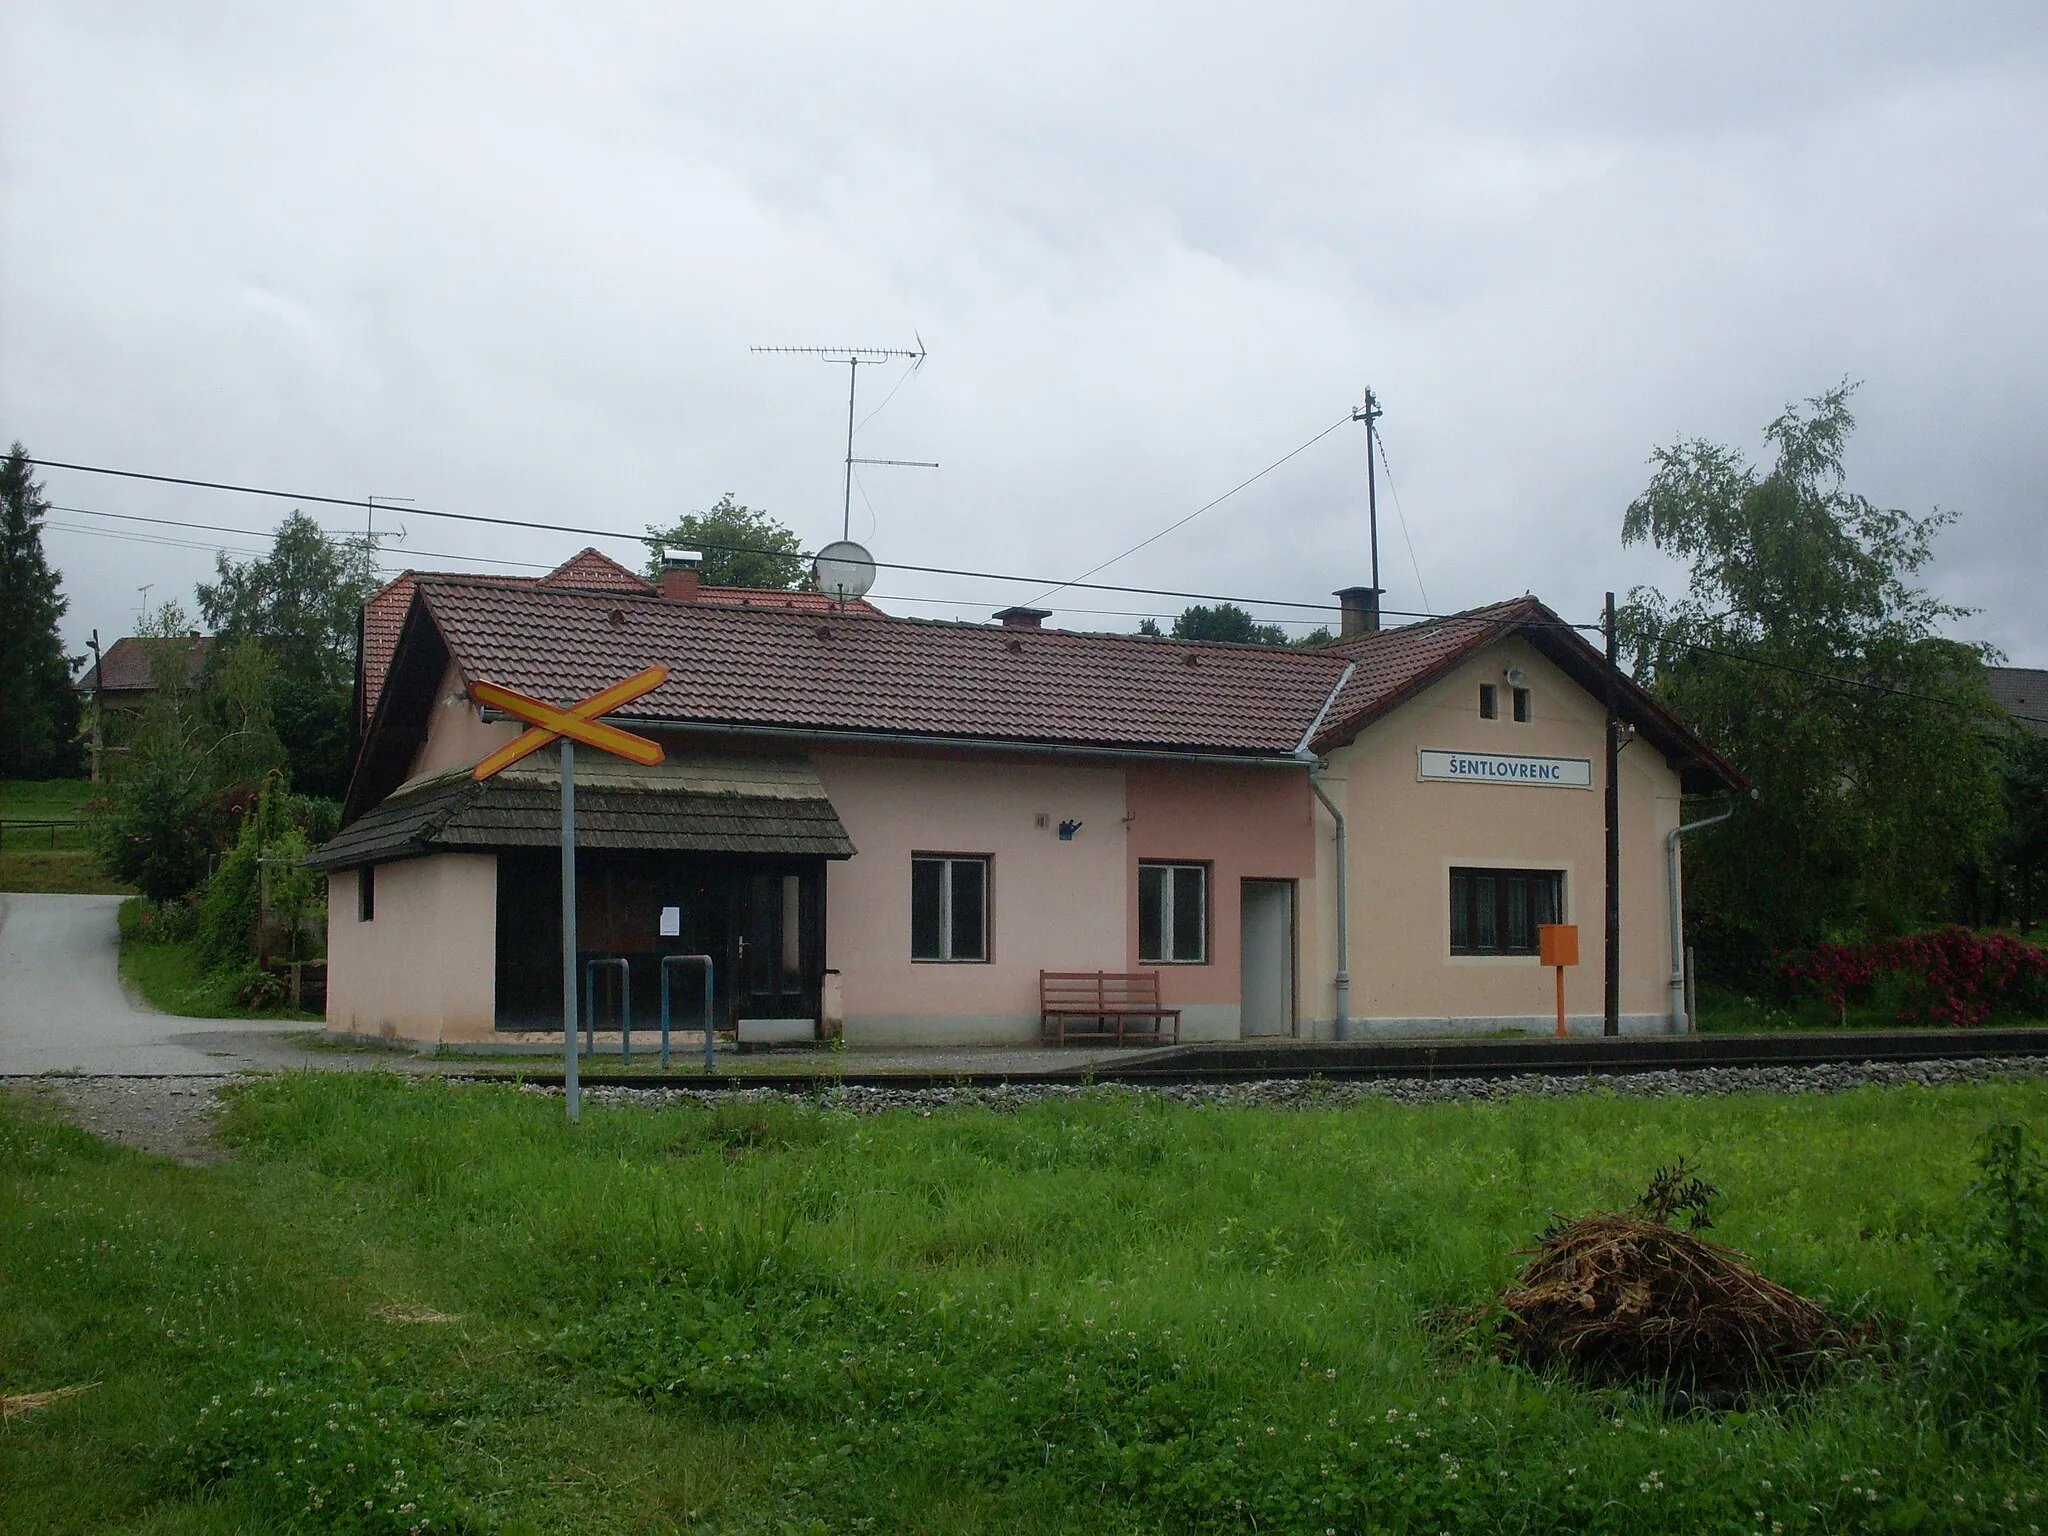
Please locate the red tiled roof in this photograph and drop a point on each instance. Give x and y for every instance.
(781, 667)
(1395, 664)
(587, 570)
(383, 617)
(125, 665)
(869, 672)
(771, 597)
(593, 568)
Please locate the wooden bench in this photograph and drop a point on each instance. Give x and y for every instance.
(1112, 1001)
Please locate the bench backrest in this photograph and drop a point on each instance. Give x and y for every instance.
(1098, 989)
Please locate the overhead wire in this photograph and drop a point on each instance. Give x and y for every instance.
(1377, 441)
(741, 549)
(473, 517)
(1079, 581)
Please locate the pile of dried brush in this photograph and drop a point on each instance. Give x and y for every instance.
(1614, 1297)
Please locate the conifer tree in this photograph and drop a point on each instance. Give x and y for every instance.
(38, 709)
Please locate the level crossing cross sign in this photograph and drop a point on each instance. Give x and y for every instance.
(549, 723)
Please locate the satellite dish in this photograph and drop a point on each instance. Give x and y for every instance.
(843, 571)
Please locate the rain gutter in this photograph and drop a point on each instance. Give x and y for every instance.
(1671, 838)
(1341, 984)
(913, 739)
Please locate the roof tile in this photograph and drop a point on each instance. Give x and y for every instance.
(853, 671)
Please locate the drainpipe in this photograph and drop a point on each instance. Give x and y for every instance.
(1342, 1029)
(1342, 1026)
(1678, 913)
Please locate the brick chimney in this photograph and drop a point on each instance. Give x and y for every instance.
(679, 574)
(1024, 618)
(1361, 610)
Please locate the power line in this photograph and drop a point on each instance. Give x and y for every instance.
(253, 533)
(932, 570)
(1375, 440)
(1078, 581)
(1051, 583)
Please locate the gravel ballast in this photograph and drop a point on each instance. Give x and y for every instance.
(1314, 1093)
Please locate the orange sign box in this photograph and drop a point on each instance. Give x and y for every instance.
(1557, 944)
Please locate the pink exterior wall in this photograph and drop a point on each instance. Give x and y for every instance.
(1405, 835)
(1052, 905)
(456, 733)
(1244, 823)
(425, 967)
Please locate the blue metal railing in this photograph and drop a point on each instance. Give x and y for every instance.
(709, 1033)
(625, 970)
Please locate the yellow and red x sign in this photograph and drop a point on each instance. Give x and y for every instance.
(579, 722)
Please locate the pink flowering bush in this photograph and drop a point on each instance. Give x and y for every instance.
(1951, 976)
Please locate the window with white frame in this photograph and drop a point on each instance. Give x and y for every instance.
(949, 906)
(1173, 913)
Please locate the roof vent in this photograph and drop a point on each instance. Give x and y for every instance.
(1023, 618)
(679, 575)
(1361, 607)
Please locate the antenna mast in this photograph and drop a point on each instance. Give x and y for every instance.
(853, 357)
(1370, 413)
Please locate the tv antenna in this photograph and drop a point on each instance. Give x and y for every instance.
(1370, 413)
(370, 506)
(854, 357)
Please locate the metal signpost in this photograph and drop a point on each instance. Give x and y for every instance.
(579, 722)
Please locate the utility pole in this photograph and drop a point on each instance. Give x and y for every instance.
(1369, 413)
(1611, 1025)
(98, 738)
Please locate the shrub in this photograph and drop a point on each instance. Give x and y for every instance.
(233, 906)
(1951, 976)
(1996, 1344)
(152, 835)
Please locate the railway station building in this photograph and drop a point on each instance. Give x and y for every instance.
(892, 827)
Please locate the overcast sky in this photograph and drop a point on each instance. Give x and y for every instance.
(509, 259)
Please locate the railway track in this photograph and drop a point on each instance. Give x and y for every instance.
(1257, 1061)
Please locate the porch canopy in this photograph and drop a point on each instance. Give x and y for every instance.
(724, 804)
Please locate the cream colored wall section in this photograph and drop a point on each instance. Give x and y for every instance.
(456, 733)
(424, 969)
(1053, 905)
(1405, 835)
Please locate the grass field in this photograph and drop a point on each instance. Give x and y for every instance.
(170, 978)
(45, 860)
(67, 871)
(422, 1306)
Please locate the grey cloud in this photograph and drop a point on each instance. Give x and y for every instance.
(511, 260)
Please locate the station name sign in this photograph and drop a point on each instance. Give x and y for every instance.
(1499, 768)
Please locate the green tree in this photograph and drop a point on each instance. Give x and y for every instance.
(2019, 851)
(1225, 621)
(300, 601)
(38, 707)
(1874, 792)
(742, 546)
(198, 750)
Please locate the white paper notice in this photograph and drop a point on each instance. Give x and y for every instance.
(671, 922)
